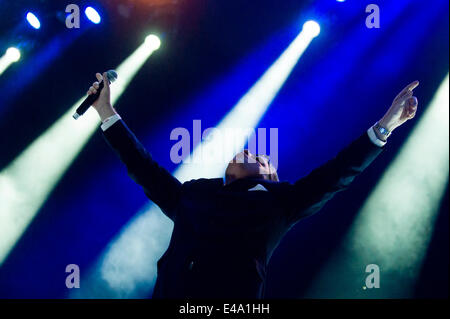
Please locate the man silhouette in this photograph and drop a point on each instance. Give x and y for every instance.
(225, 233)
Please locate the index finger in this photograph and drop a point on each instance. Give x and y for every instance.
(411, 86)
(407, 90)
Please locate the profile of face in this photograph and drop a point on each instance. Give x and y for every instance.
(246, 164)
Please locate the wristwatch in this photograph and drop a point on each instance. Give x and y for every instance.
(383, 131)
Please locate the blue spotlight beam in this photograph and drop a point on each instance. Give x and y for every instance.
(30, 69)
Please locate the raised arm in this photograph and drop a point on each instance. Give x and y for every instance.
(309, 194)
(158, 184)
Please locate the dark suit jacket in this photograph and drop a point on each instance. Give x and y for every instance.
(224, 235)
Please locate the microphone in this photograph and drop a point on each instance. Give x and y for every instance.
(112, 76)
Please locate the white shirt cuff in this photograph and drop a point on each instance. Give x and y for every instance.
(108, 122)
(373, 137)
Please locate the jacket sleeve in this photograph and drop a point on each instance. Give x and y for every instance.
(309, 194)
(158, 184)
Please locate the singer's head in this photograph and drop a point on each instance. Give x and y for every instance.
(246, 164)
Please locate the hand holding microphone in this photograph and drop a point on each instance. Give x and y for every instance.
(99, 96)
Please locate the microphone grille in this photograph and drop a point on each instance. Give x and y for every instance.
(112, 75)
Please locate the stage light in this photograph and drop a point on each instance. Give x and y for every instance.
(311, 28)
(31, 69)
(153, 41)
(92, 15)
(11, 55)
(127, 269)
(395, 224)
(26, 183)
(33, 20)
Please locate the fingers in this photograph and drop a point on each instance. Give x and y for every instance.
(105, 76)
(93, 89)
(411, 107)
(412, 85)
(402, 98)
(407, 91)
(412, 101)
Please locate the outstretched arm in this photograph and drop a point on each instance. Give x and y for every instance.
(309, 194)
(158, 184)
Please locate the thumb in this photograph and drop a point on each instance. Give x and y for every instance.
(106, 81)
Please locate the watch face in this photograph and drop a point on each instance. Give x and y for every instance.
(383, 131)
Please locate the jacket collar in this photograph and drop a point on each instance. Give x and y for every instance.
(244, 184)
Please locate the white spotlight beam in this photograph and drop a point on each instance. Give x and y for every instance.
(127, 268)
(394, 226)
(27, 182)
(11, 55)
(247, 112)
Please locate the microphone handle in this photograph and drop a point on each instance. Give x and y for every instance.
(88, 102)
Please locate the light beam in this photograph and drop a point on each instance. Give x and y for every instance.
(395, 224)
(26, 183)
